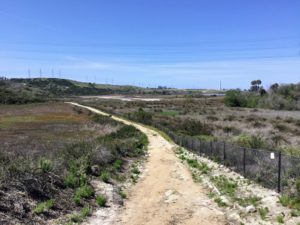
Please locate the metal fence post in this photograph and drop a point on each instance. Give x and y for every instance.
(244, 161)
(199, 147)
(192, 147)
(279, 173)
(224, 152)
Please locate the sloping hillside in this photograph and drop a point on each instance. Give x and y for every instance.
(39, 89)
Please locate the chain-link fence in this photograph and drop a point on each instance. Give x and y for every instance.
(273, 170)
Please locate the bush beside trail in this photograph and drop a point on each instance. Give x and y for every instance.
(38, 187)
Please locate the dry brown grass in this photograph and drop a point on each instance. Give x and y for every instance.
(229, 123)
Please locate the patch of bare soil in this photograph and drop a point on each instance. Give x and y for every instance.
(166, 193)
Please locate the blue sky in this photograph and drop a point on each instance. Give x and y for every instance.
(178, 43)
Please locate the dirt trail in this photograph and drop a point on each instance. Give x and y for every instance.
(166, 193)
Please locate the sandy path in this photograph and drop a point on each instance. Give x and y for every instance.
(166, 194)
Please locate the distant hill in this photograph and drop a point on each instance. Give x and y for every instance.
(19, 90)
(22, 90)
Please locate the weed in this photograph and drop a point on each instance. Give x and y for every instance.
(76, 179)
(43, 206)
(211, 194)
(295, 213)
(280, 219)
(220, 202)
(263, 212)
(284, 200)
(134, 178)
(193, 163)
(196, 177)
(117, 164)
(85, 191)
(182, 157)
(226, 186)
(101, 200)
(135, 170)
(250, 141)
(45, 165)
(78, 218)
(168, 113)
(253, 200)
(179, 151)
(105, 176)
(202, 167)
(122, 193)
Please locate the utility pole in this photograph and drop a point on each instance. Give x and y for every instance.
(52, 73)
(220, 85)
(29, 73)
(40, 73)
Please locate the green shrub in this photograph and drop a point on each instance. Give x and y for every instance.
(104, 120)
(233, 98)
(263, 212)
(105, 176)
(225, 186)
(193, 163)
(122, 193)
(220, 202)
(237, 98)
(135, 170)
(284, 200)
(250, 141)
(194, 127)
(85, 211)
(295, 213)
(292, 201)
(78, 218)
(117, 164)
(142, 116)
(43, 206)
(45, 165)
(71, 180)
(280, 219)
(253, 200)
(76, 179)
(101, 200)
(207, 138)
(85, 191)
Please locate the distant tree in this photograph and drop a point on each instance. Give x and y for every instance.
(255, 85)
(262, 91)
(92, 85)
(274, 87)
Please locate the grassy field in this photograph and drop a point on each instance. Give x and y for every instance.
(49, 154)
(208, 118)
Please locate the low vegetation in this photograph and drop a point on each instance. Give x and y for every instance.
(209, 120)
(241, 203)
(65, 149)
(279, 97)
(101, 200)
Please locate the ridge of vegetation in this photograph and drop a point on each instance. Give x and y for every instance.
(55, 180)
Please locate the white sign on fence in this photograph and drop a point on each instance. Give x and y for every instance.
(272, 155)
